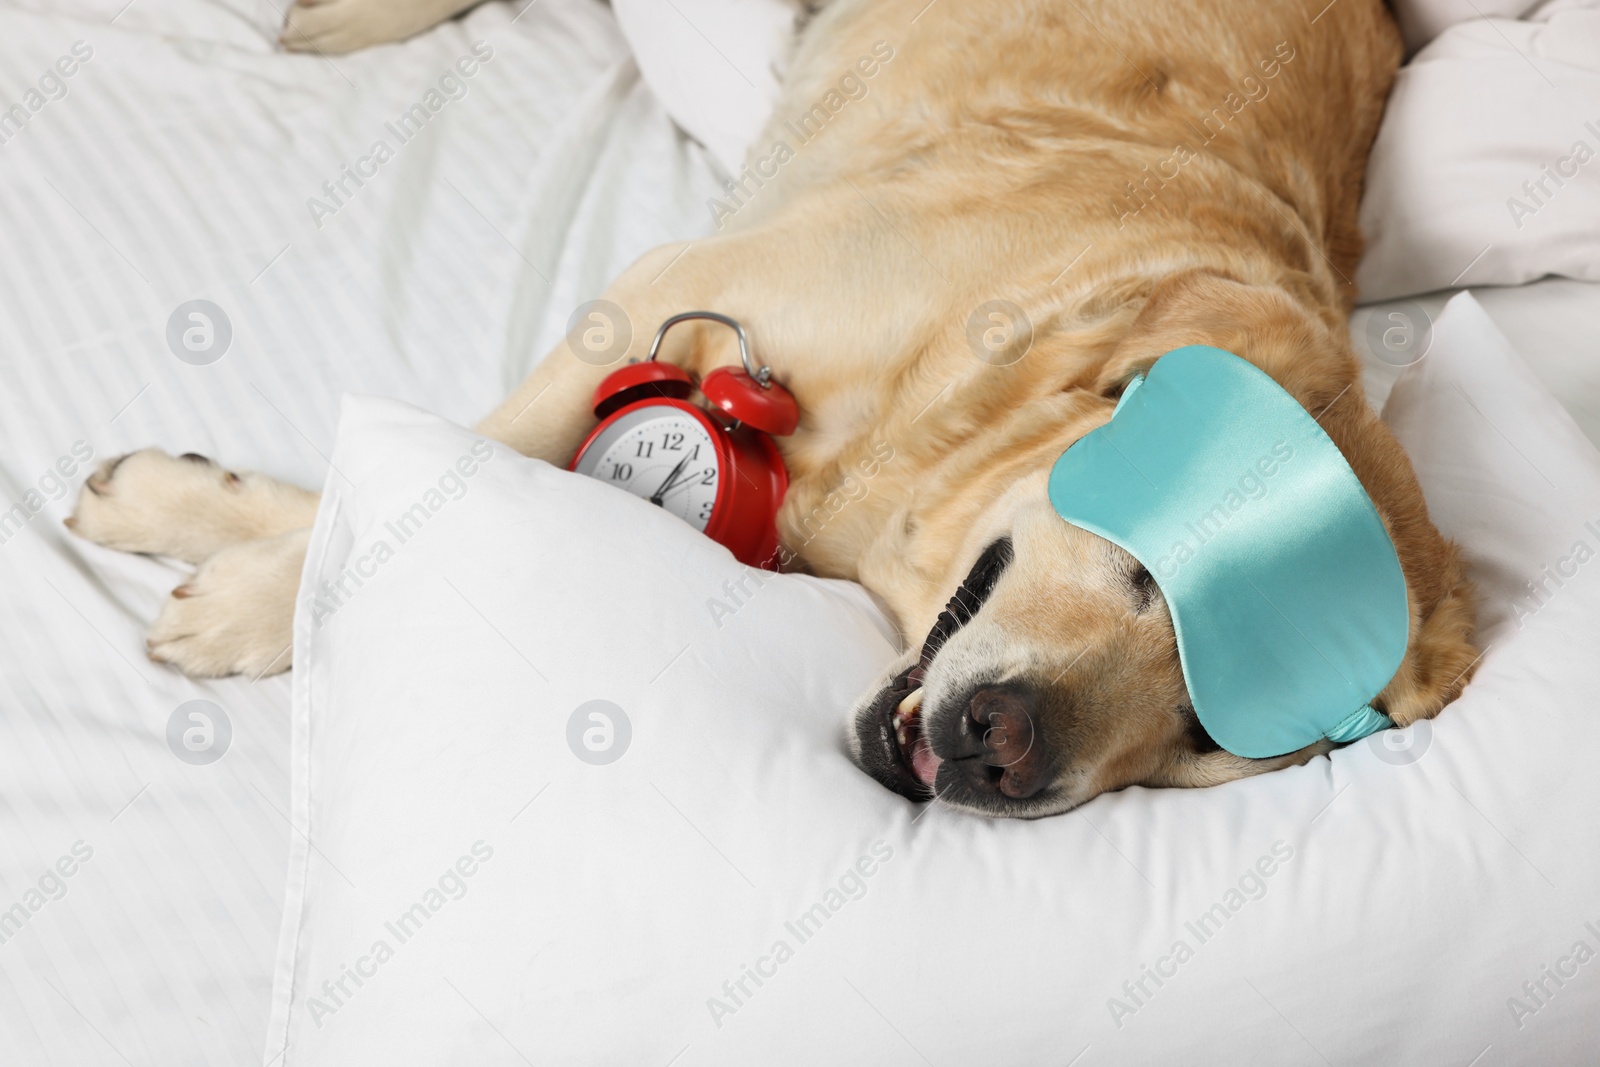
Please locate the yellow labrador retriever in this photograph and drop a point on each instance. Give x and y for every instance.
(969, 224)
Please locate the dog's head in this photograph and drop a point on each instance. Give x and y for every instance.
(1054, 673)
(1052, 676)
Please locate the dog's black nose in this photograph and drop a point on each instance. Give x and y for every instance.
(998, 745)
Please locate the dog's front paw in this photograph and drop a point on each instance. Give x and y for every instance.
(339, 26)
(186, 507)
(236, 615)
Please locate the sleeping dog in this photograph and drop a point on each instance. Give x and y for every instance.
(1030, 202)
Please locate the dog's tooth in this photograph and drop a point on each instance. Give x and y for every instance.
(901, 736)
(912, 702)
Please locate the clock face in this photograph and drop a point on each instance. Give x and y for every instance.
(662, 455)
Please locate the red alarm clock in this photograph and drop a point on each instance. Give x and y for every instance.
(714, 467)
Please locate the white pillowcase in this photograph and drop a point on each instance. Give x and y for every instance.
(715, 65)
(1423, 20)
(732, 891)
(1486, 170)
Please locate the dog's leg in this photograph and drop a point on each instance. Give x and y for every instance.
(186, 507)
(347, 25)
(248, 533)
(236, 614)
(548, 414)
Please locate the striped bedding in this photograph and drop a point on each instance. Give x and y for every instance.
(183, 159)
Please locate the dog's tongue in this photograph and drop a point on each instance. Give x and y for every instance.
(908, 723)
(908, 716)
(924, 764)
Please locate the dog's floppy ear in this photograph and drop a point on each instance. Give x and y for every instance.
(1189, 769)
(1198, 761)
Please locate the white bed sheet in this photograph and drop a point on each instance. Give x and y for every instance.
(177, 166)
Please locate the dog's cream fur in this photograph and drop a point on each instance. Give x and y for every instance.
(335, 26)
(1005, 151)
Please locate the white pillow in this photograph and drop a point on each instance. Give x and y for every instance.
(1423, 20)
(1381, 905)
(1476, 122)
(715, 65)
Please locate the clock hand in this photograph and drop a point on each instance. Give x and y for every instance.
(661, 491)
(680, 487)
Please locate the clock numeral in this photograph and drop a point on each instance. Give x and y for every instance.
(621, 472)
(709, 476)
(695, 454)
(644, 449)
(672, 442)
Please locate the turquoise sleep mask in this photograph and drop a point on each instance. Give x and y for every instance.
(1284, 588)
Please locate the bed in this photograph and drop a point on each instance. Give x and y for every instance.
(135, 192)
(183, 159)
